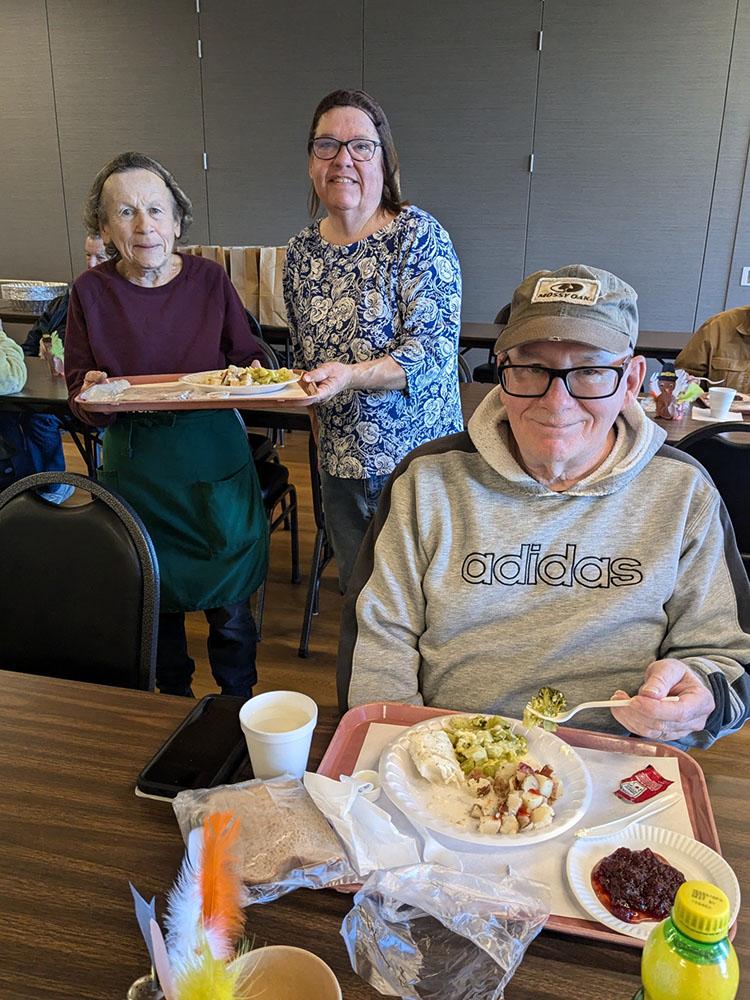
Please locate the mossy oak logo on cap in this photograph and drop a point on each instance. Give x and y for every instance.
(582, 291)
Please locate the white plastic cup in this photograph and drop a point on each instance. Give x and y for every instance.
(720, 398)
(278, 728)
(283, 971)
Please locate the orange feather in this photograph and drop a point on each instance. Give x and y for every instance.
(221, 883)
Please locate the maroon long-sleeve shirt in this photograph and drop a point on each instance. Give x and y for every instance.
(194, 323)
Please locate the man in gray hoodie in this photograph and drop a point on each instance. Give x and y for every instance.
(557, 541)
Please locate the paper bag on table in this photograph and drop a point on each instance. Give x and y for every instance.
(215, 253)
(244, 270)
(272, 309)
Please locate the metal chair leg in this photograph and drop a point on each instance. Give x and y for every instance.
(260, 600)
(313, 588)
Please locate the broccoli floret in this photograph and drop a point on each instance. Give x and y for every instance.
(549, 701)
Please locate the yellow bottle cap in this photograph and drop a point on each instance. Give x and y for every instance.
(701, 911)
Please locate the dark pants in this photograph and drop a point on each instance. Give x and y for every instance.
(232, 640)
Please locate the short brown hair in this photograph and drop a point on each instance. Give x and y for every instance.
(92, 210)
(391, 199)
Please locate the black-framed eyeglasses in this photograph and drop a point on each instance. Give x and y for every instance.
(582, 382)
(327, 148)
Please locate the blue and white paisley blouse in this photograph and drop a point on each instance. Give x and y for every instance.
(396, 292)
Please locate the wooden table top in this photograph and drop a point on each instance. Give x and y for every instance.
(74, 834)
(42, 390)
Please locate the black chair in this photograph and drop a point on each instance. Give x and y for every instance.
(727, 461)
(488, 371)
(263, 446)
(464, 372)
(279, 495)
(280, 503)
(79, 588)
(322, 552)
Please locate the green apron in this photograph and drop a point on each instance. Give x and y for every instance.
(190, 477)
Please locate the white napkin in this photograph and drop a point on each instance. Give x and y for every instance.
(371, 839)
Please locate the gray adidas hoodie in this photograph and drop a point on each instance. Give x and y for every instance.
(476, 584)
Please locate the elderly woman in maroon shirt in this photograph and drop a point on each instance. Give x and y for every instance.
(189, 474)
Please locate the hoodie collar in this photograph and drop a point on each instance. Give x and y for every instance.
(637, 439)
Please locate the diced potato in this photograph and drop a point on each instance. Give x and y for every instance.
(509, 824)
(532, 799)
(524, 819)
(557, 789)
(514, 802)
(542, 816)
(489, 825)
(545, 785)
(530, 783)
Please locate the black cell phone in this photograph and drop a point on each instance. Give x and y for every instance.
(208, 748)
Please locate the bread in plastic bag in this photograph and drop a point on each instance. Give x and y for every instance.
(286, 843)
(430, 933)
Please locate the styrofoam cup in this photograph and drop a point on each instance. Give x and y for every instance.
(278, 728)
(720, 398)
(282, 971)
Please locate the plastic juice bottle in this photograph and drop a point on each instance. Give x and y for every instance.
(688, 956)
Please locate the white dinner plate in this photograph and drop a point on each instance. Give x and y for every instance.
(693, 859)
(199, 379)
(445, 809)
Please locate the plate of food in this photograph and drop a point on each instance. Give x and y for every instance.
(628, 880)
(485, 780)
(243, 381)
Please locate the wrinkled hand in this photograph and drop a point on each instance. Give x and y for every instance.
(648, 716)
(93, 378)
(330, 379)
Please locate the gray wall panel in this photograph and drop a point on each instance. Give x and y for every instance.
(629, 115)
(721, 277)
(458, 84)
(127, 76)
(33, 233)
(265, 67)
(739, 295)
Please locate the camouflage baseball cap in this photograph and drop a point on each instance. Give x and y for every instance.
(576, 303)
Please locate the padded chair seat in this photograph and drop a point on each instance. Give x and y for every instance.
(79, 590)
(261, 445)
(274, 479)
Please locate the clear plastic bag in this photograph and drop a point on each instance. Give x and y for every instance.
(286, 843)
(430, 933)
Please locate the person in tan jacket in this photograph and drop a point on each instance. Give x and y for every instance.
(720, 349)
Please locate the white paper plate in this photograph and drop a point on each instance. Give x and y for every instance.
(199, 379)
(693, 859)
(445, 810)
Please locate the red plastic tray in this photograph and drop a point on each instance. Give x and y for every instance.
(306, 397)
(343, 751)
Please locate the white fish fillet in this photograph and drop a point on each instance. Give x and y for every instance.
(432, 754)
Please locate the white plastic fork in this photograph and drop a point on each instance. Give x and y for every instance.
(612, 703)
(625, 822)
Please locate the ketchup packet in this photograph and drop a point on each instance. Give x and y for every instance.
(642, 785)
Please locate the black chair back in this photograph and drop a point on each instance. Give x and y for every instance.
(727, 461)
(79, 588)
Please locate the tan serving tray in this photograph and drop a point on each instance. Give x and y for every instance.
(296, 395)
(343, 752)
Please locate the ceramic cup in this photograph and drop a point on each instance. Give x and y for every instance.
(720, 398)
(278, 728)
(282, 971)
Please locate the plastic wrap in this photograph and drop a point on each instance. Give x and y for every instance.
(286, 843)
(430, 933)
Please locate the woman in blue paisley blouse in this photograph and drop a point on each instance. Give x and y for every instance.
(373, 298)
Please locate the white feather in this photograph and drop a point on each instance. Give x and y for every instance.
(183, 917)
